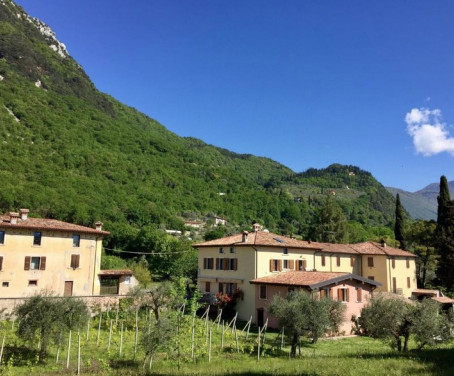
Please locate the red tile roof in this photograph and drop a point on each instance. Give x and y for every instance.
(443, 300)
(47, 224)
(309, 279)
(263, 238)
(115, 272)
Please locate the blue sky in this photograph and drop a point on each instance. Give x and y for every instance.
(306, 83)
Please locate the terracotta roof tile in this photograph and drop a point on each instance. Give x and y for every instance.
(309, 279)
(443, 300)
(115, 272)
(47, 224)
(263, 238)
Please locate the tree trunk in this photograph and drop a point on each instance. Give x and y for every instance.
(295, 341)
(406, 338)
(398, 343)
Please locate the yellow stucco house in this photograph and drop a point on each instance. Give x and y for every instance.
(230, 263)
(37, 254)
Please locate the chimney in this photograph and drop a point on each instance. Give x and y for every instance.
(245, 234)
(256, 227)
(24, 214)
(14, 216)
(99, 226)
(383, 243)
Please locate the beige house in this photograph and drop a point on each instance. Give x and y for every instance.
(37, 254)
(232, 262)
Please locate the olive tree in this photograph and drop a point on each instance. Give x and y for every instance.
(395, 319)
(301, 314)
(44, 316)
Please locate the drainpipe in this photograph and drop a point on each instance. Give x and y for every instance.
(256, 267)
(94, 266)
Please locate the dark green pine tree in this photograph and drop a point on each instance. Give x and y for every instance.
(444, 235)
(399, 225)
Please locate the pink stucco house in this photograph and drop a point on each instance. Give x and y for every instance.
(352, 290)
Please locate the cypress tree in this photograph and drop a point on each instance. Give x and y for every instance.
(399, 225)
(444, 235)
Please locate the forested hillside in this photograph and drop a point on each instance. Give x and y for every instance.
(73, 153)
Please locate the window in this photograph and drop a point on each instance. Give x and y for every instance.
(227, 288)
(343, 295)
(326, 292)
(221, 250)
(352, 261)
(394, 285)
(75, 261)
(393, 263)
(408, 263)
(1, 262)
(76, 240)
(37, 238)
(220, 264)
(275, 265)
(208, 263)
(263, 292)
(5, 284)
(338, 261)
(323, 260)
(408, 282)
(2, 237)
(233, 264)
(232, 250)
(33, 282)
(285, 251)
(286, 264)
(302, 265)
(35, 263)
(370, 262)
(207, 286)
(359, 294)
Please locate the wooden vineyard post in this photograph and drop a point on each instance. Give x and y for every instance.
(99, 329)
(192, 336)
(121, 339)
(248, 326)
(258, 344)
(222, 335)
(116, 314)
(136, 335)
(110, 335)
(236, 340)
(88, 327)
(58, 348)
(282, 338)
(69, 350)
(1, 351)
(78, 352)
(209, 349)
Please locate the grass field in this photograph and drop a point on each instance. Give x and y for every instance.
(345, 356)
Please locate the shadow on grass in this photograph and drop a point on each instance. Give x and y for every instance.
(19, 355)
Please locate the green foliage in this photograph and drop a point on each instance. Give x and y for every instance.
(300, 314)
(399, 224)
(46, 316)
(141, 271)
(394, 318)
(420, 237)
(444, 235)
(330, 223)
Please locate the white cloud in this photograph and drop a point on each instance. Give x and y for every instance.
(430, 134)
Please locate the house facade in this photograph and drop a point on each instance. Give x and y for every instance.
(231, 263)
(352, 290)
(45, 254)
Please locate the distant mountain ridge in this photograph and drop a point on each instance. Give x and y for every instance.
(421, 204)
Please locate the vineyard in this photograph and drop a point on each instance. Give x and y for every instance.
(127, 339)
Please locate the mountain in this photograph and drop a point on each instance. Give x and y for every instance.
(73, 153)
(421, 204)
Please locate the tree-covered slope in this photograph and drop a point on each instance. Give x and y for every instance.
(73, 153)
